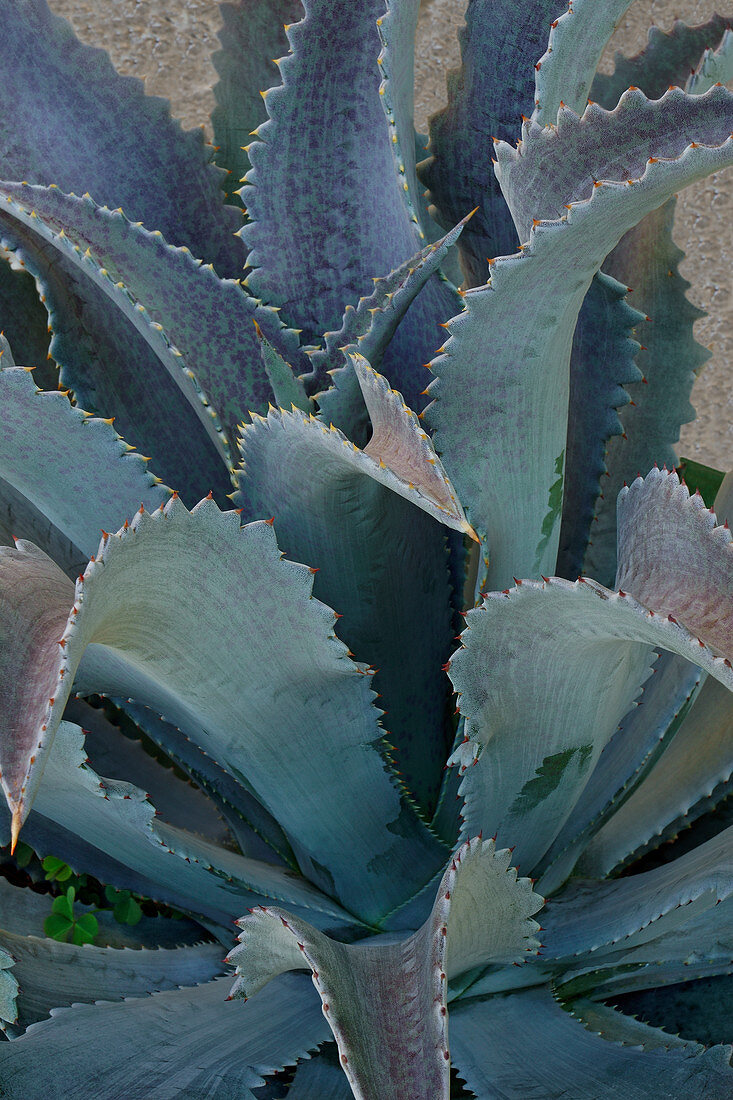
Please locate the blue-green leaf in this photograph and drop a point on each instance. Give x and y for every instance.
(189, 1042)
(386, 1003)
(525, 1045)
(311, 695)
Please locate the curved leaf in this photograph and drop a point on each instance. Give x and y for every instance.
(525, 1044)
(698, 759)
(522, 377)
(298, 686)
(251, 36)
(74, 469)
(528, 657)
(642, 734)
(60, 95)
(315, 245)
(207, 319)
(565, 71)
(499, 48)
(24, 321)
(601, 918)
(117, 361)
(386, 1004)
(189, 1042)
(54, 975)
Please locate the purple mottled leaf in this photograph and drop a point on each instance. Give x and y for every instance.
(317, 240)
(486, 97)
(70, 120)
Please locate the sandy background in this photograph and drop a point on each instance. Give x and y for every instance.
(169, 43)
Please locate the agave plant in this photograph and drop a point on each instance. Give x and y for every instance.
(283, 624)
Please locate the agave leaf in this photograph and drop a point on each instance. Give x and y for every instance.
(529, 764)
(101, 332)
(487, 452)
(311, 266)
(320, 1077)
(377, 995)
(251, 36)
(93, 480)
(565, 71)
(714, 67)
(559, 165)
(485, 98)
(207, 319)
(177, 867)
(648, 259)
(287, 386)
(54, 975)
(601, 364)
(234, 570)
(397, 28)
(625, 762)
(368, 329)
(701, 947)
(60, 95)
(610, 918)
(526, 1044)
(189, 1042)
(697, 760)
(668, 58)
(24, 321)
(8, 990)
(256, 831)
(392, 618)
(674, 557)
(116, 756)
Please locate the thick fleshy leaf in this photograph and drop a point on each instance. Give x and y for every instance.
(566, 70)
(601, 364)
(111, 754)
(8, 990)
(714, 67)
(54, 975)
(397, 28)
(320, 1077)
(499, 48)
(184, 1042)
(526, 1045)
(559, 165)
(207, 319)
(256, 831)
(176, 867)
(675, 558)
(252, 38)
(297, 683)
(287, 386)
(386, 1004)
(528, 657)
(118, 362)
(508, 479)
(368, 328)
(642, 734)
(316, 245)
(74, 469)
(668, 58)
(24, 321)
(61, 97)
(385, 569)
(699, 758)
(594, 923)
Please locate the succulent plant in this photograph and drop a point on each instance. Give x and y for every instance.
(274, 647)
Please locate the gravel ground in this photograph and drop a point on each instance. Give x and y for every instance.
(169, 43)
